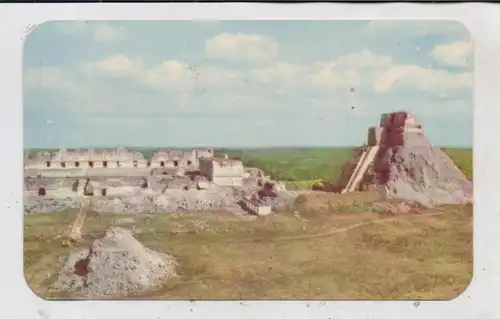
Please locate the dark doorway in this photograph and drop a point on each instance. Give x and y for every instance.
(103, 192)
(189, 162)
(162, 164)
(77, 164)
(105, 163)
(63, 164)
(118, 164)
(91, 164)
(47, 164)
(42, 191)
(176, 163)
(149, 163)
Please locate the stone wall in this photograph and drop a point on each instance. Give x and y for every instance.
(115, 158)
(228, 168)
(374, 136)
(206, 168)
(67, 182)
(228, 180)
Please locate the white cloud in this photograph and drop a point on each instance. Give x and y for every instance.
(121, 83)
(363, 59)
(362, 69)
(53, 78)
(241, 47)
(115, 66)
(416, 77)
(39, 82)
(455, 54)
(169, 75)
(354, 69)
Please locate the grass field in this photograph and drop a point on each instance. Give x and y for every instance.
(334, 253)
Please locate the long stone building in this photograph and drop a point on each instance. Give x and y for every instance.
(66, 158)
(121, 162)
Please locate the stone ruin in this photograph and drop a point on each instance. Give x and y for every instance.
(114, 266)
(400, 162)
(72, 161)
(125, 181)
(115, 167)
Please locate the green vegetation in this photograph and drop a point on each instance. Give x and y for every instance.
(36, 150)
(463, 159)
(300, 164)
(307, 184)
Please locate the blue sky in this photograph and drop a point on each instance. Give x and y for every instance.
(243, 83)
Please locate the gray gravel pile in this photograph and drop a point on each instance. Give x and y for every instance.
(114, 266)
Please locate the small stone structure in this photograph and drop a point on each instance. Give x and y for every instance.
(256, 206)
(222, 171)
(179, 159)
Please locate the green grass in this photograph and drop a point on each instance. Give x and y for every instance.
(284, 256)
(301, 164)
(306, 184)
(462, 157)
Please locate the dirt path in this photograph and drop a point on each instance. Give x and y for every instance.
(315, 235)
(322, 234)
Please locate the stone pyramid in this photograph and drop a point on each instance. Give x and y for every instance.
(400, 162)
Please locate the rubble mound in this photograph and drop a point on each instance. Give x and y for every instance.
(175, 199)
(114, 266)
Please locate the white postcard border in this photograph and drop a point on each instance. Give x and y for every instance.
(479, 299)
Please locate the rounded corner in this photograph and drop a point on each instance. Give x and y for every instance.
(464, 290)
(465, 29)
(29, 288)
